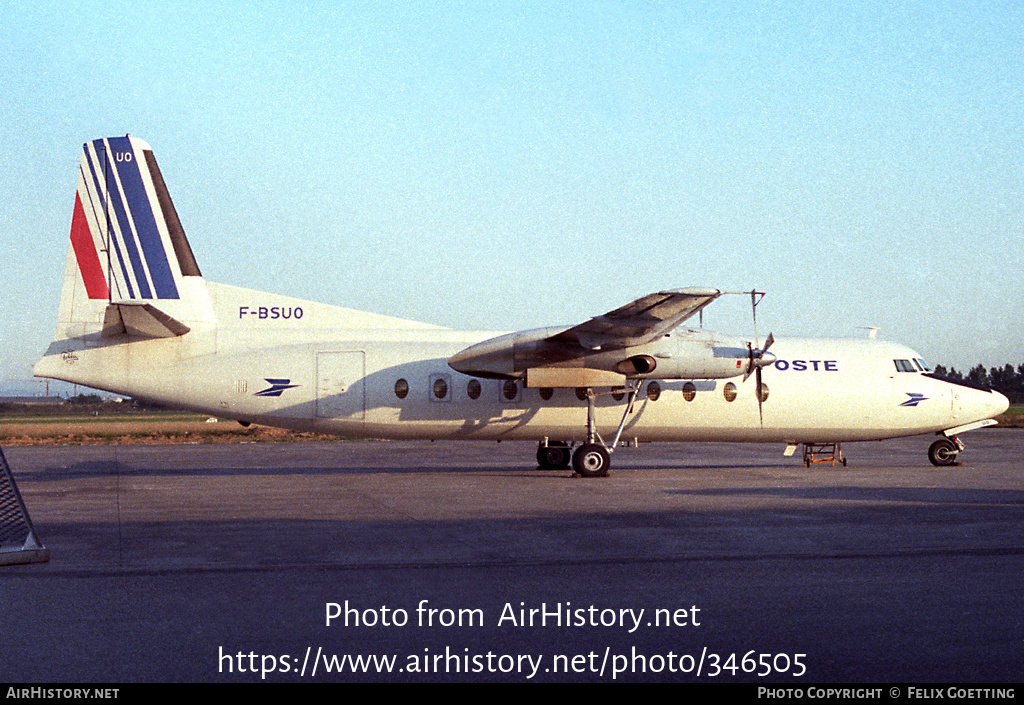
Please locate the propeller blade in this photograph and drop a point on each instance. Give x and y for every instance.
(757, 391)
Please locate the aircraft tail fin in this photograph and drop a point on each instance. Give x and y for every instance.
(128, 248)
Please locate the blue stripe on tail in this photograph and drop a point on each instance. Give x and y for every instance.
(134, 209)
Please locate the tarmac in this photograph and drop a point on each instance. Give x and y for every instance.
(422, 562)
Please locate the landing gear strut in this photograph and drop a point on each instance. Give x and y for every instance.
(593, 458)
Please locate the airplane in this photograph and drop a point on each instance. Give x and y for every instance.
(137, 318)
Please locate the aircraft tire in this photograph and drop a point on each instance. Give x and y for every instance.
(554, 456)
(942, 452)
(591, 460)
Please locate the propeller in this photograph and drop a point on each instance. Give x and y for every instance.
(759, 357)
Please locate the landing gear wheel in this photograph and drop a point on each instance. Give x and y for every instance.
(553, 456)
(942, 452)
(591, 460)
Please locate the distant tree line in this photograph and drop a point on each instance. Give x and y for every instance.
(1005, 379)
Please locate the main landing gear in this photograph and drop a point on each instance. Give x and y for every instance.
(553, 455)
(588, 460)
(593, 458)
(944, 451)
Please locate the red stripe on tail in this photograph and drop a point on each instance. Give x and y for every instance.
(85, 252)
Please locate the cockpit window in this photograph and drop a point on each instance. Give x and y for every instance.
(921, 363)
(905, 366)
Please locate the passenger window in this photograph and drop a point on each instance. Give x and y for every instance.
(729, 391)
(401, 388)
(473, 389)
(653, 391)
(510, 390)
(546, 393)
(440, 388)
(689, 391)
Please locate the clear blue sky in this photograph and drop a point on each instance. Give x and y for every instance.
(515, 165)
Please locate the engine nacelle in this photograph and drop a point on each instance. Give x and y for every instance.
(682, 355)
(696, 355)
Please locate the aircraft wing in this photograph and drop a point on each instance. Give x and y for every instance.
(642, 321)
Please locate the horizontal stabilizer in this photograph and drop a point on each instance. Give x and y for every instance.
(140, 321)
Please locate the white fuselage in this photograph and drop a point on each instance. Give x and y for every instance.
(278, 361)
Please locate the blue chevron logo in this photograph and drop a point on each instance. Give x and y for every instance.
(276, 387)
(914, 399)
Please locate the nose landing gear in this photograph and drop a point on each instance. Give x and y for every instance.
(943, 452)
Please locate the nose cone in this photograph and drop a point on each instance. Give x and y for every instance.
(998, 404)
(979, 404)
